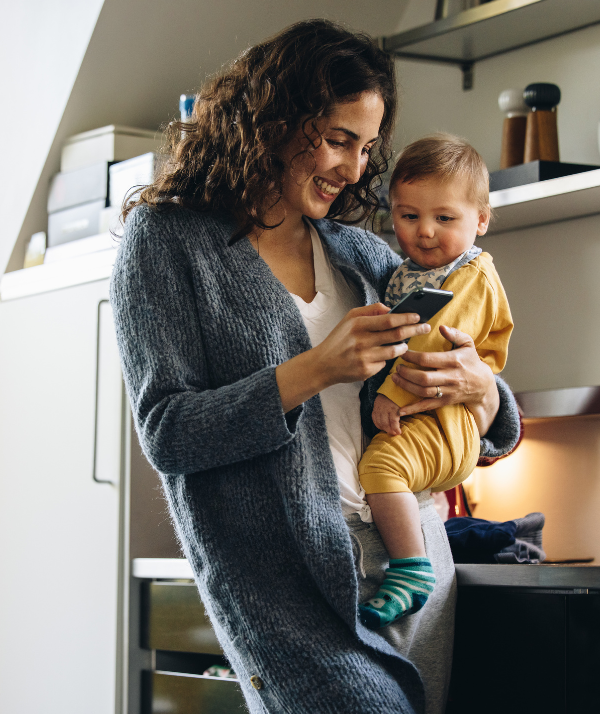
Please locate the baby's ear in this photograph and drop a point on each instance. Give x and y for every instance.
(484, 221)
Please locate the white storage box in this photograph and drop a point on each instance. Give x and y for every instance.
(72, 188)
(74, 223)
(126, 175)
(109, 143)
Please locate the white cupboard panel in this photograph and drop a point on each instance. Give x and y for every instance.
(58, 527)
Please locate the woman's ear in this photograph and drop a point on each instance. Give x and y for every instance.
(484, 221)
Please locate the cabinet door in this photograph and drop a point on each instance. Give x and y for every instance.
(583, 653)
(510, 652)
(58, 526)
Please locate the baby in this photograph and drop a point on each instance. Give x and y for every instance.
(439, 198)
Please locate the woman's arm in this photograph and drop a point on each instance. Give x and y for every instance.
(186, 423)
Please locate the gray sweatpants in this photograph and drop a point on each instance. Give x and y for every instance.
(425, 638)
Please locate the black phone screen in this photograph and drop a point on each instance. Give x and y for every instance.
(426, 302)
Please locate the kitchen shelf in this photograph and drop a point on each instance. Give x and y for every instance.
(491, 29)
(61, 274)
(544, 202)
(552, 403)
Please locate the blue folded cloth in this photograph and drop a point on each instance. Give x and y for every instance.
(475, 540)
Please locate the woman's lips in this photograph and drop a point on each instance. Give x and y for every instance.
(326, 190)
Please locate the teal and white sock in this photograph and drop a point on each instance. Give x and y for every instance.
(407, 585)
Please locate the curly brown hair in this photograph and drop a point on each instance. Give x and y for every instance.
(228, 157)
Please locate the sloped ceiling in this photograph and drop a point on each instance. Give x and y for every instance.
(144, 53)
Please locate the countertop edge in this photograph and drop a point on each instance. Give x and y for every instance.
(521, 576)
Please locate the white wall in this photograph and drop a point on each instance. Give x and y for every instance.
(42, 44)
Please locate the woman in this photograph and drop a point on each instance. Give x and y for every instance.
(247, 325)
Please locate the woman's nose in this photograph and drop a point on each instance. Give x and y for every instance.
(353, 167)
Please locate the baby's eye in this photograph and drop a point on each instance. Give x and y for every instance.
(445, 219)
(410, 216)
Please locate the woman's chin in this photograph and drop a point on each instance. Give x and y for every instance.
(317, 212)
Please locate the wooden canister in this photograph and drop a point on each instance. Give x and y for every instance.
(541, 135)
(512, 104)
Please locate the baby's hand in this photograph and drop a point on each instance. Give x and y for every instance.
(385, 415)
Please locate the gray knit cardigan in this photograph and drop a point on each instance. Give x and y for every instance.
(252, 491)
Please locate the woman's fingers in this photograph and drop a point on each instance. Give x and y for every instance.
(392, 328)
(459, 375)
(363, 341)
(423, 406)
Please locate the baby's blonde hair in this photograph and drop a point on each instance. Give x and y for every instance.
(446, 157)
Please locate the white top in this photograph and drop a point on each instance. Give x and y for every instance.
(334, 299)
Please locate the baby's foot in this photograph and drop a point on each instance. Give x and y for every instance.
(407, 585)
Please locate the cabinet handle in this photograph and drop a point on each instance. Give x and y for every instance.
(97, 398)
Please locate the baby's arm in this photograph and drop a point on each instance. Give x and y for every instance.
(386, 415)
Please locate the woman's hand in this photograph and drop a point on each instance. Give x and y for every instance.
(460, 375)
(355, 350)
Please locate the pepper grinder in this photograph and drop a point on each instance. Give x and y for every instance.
(511, 102)
(541, 135)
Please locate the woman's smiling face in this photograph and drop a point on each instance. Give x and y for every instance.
(348, 133)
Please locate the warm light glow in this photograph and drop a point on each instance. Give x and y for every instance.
(555, 470)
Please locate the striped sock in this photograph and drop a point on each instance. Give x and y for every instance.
(407, 585)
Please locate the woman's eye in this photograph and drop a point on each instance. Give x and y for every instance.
(335, 144)
(367, 150)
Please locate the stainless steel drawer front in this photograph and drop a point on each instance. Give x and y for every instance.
(177, 620)
(193, 694)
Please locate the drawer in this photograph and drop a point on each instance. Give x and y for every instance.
(177, 620)
(193, 694)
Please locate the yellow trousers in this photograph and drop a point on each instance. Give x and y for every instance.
(421, 457)
(440, 449)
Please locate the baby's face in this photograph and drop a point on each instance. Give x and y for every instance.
(435, 221)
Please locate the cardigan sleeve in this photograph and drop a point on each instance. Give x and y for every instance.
(184, 426)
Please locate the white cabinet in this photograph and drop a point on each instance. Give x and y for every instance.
(59, 529)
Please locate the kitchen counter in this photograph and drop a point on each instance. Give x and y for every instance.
(560, 577)
(527, 636)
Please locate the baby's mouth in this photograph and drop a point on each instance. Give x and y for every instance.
(326, 187)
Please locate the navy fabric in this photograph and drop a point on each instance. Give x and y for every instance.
(474, 540)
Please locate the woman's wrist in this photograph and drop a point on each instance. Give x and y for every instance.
(485, 408)
(299, 379)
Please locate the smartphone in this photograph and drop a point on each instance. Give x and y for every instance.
(425, 302)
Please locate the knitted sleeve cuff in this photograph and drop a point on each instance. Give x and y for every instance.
(505, 433)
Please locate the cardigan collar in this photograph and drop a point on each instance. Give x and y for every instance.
(328, 232)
